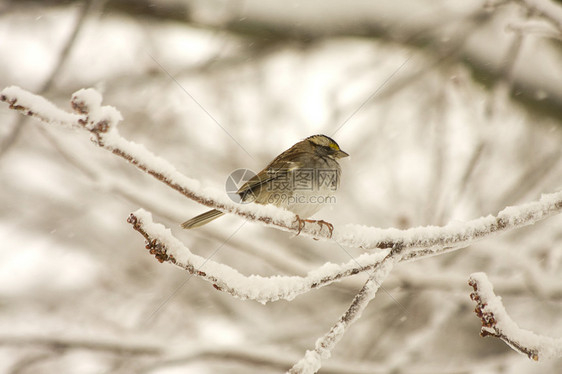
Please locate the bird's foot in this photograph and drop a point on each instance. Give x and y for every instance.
(322, 223)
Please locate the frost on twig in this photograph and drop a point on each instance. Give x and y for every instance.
(312, 360)
(166, 248)
(496, 322)
(101, 122)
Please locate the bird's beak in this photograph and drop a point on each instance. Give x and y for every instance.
(341, 154)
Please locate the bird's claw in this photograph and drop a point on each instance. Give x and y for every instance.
(322, 223)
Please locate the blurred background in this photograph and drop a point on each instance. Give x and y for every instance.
(450, 111)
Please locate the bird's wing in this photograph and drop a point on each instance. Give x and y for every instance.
(253, 185)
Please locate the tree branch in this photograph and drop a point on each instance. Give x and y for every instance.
(166, 248)
(101, 121)
(312, 360)
(496, 322)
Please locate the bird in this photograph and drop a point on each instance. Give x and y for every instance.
(302, 180)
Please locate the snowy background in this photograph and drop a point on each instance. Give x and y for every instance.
(463, 119)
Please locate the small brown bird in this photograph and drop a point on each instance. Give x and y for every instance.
(302, 179)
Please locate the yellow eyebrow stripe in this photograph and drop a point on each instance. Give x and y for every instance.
(334, 146)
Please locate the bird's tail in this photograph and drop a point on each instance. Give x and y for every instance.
(202, 219)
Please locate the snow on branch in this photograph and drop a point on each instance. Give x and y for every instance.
(166, 248)
(101, 121)
(420, 242)
(37, 106)
(496, 322)
(312, 360)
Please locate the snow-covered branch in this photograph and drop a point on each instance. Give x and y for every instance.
(312, 360)
(101, 122)
(428, 240)
(496, 322)
(165, 247)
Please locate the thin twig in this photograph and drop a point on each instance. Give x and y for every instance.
(312, 360)
(497, 323)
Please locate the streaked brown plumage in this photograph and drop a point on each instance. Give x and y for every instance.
(298, 180)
